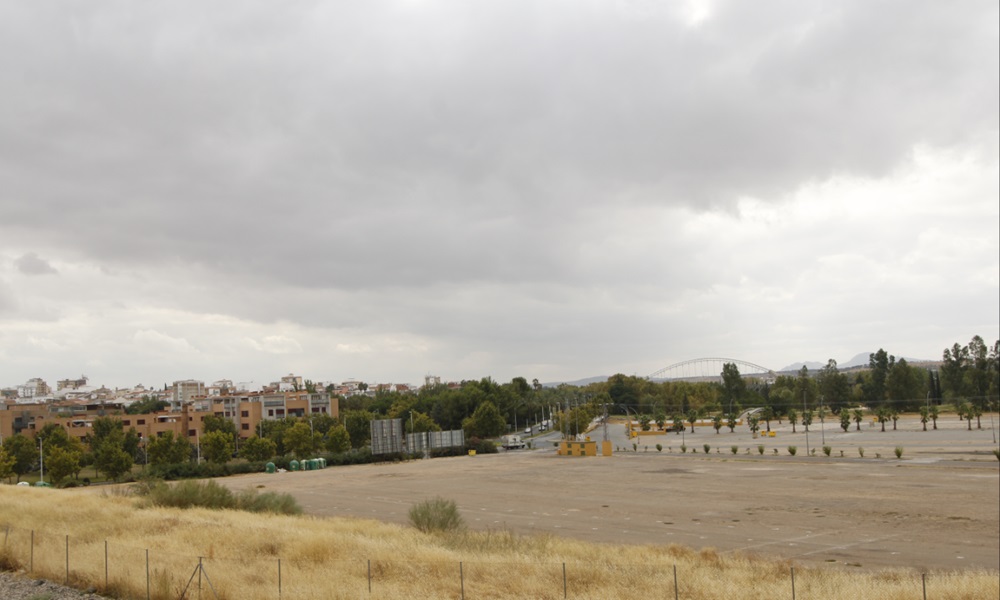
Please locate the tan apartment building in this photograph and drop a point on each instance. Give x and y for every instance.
(246, 412)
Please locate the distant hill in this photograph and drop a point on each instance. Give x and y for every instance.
(579, 382)
(859, 360)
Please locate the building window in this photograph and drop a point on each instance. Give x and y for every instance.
(126, 422)
(245, 414)
(190, 432)
(140, 422)
(246, 426)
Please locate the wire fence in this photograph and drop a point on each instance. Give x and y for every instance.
(128, 572)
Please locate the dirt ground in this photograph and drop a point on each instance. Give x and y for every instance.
(937, 508)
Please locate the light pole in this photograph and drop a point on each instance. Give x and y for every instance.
(41, 462)
(804, 420)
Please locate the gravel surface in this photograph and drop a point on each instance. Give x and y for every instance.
(22, 587)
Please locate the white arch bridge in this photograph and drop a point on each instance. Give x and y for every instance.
(709, 368)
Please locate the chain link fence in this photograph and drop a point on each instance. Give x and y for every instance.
(128, 572)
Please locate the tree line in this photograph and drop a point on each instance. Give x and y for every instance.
(968, 379)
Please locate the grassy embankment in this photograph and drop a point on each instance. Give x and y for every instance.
(332, 558)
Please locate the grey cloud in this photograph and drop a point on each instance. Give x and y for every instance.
(32, 264)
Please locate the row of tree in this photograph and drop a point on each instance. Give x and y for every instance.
(969, 378)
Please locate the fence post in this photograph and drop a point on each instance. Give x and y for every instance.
(923, 579)
(676, 591)
(461, 576)
(67, 560)
(564, 581)
(279, 578)
(369, 577)
(793, 582)
(31, 560)
(105, 565)
(147, 573)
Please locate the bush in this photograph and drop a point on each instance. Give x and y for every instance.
(899, 452)
(792, 450)
(659, 447)
(684, 448)
(996, 453)
(707, 448)
(827, 450)
(436, 515)
(209, 494)
(734, 449)
(861, 452)
(760, 449)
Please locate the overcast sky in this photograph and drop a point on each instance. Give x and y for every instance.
(547, 189)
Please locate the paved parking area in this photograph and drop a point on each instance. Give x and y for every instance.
(937, 508)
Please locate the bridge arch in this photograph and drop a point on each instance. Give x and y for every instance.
(708, 368)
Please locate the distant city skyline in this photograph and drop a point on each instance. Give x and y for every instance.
(552, 190)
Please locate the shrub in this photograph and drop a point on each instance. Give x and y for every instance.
(861, 452)
(436, 515)
(827, 450)
(659, 447)
(684, 448)
(734, 449)
(899, 452)
(760, 449)
(706, 447)
(792, 450)
(996, 453)
(209, 494)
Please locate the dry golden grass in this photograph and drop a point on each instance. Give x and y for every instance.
(332, 558)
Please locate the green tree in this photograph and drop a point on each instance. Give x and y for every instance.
(935, 412)
(485, 422)
(925, 415)
(845, 420)
(955, 362)
(61, 462)
(112, 460)
(833, 385)
(731, 422)
(338, 440)
(146, 405)
(168, 450)
(858, 415)
(807, 418)
(879, 364)
(215, 423)
(257, 449)
(905, 385)
(792, 416)
(358, 424)
(717, 422)
(6, 464)
(883, 414)
(733, 386)
(300, 440)
(692, 418)
(217, 446)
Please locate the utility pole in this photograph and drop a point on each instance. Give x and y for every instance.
(41, 461)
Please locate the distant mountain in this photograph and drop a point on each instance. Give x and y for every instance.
(859, 360)
(578, 382)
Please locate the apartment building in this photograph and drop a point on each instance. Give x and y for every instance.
(246, 412)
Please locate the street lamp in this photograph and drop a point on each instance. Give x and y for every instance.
(41, 461)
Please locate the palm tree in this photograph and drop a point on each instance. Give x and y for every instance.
(924, 416)
(859, 415)
(792, 416)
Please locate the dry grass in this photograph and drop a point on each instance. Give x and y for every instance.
(332, 558)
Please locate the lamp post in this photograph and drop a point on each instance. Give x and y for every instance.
(41, 461)
(804, 419)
